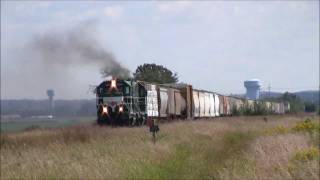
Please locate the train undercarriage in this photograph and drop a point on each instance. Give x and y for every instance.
(120, 118)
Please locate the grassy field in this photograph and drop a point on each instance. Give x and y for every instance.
(271, 147)
(32, 123)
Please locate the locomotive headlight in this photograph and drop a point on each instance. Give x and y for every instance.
(120, 109)
(113, 83)
(104, 110)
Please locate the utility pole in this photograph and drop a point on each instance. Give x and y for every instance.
(269, 89)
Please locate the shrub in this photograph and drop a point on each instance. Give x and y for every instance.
(257, 108)
(247, 109)
(277, 130)
(260, 108)
(4, 139)
(77, 134)
(236, 111)
(307, 125)
(310, 107)
(307, 155)
(31, 128)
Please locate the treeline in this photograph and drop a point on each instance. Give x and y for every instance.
(27, 108)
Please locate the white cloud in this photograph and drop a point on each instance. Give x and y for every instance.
(23, 9)
(246, 37)
(173, 7)
(113, 11)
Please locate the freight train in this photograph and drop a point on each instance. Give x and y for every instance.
(131, 103)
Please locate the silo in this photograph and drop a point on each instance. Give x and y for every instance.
(253, 88)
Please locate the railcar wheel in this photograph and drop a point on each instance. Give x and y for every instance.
(143, 121)
(139, 121)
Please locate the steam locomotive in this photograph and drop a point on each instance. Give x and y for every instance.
(130, 103)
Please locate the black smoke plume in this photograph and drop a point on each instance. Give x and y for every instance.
(77, 46)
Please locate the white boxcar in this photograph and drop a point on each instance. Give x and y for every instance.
(152, 101)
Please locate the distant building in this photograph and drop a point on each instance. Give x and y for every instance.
(253, 88)
(43, 117)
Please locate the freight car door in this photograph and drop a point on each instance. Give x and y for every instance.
(163, 102)
(221, 111)
(202, 104)
(171, 104)
(180, 103)
(196, 104)
(177, 98)
(216, 104)
(212, 111)
(207, 104)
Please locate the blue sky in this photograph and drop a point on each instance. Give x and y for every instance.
(213, 45)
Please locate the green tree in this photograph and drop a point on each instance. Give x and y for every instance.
(310, 107)
(155, 73)
(296, 103)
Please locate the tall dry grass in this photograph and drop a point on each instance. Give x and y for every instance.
(220, 148)
(273, 153)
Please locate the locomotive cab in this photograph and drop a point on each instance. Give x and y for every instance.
(120, 102)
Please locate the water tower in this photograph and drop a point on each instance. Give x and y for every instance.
(253, 88)
(50, 94)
